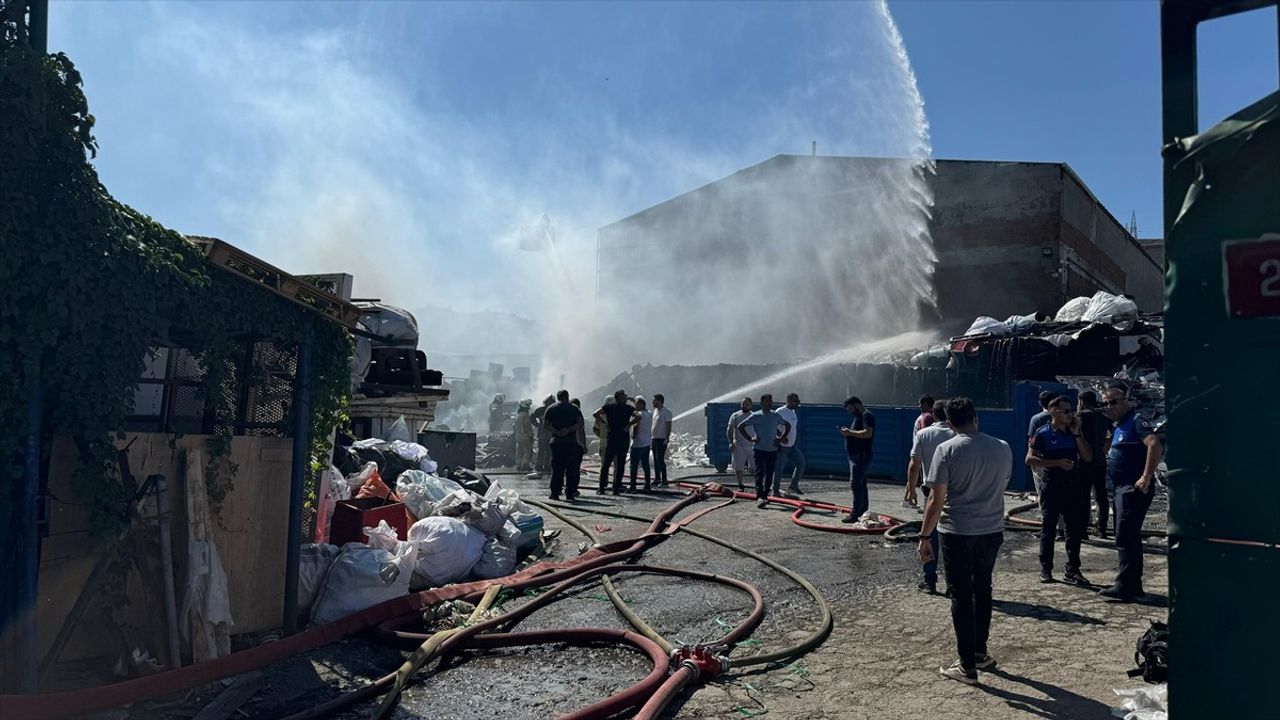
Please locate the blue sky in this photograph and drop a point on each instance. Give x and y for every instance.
(408, 142)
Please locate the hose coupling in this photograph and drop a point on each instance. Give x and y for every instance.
(701, 659)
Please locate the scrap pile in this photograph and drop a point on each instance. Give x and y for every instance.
(391, 526)
(687, 451)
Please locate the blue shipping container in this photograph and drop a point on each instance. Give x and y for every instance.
(823, 446)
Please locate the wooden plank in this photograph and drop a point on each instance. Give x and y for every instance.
(251, 531)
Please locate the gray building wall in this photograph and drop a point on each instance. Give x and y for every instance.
(1011, 237)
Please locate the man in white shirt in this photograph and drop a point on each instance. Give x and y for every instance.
(789, 451)
(641, 440)
(923, 445)
(743, 460)
(661, 436)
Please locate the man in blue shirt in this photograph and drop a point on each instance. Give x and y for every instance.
(1058, 449)
(765, 423)
(857, 445)
(1131, 467)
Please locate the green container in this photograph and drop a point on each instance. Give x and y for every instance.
(1222, 362)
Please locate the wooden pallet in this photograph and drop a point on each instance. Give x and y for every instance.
(234, 260)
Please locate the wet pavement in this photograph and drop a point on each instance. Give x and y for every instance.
(1060, 647)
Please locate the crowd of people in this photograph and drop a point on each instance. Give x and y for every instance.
(553, 438)
(1074, 450)
(1093, 448)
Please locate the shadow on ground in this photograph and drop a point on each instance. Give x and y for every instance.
(1043, 612)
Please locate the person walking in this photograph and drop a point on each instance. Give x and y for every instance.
(1094, 426)
(641, 440)
(661, 436)
(563, 421)
(524, 437)
(1058, 449)
(967, 479)
(741, 456)
(857, 444)
(617, 417)
(1131, 467)
(789, 451)
(924, 444)
(770, 430)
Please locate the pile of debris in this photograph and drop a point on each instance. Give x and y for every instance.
(393, 526)
(687, 451)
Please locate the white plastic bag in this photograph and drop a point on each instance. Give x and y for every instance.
(361, 577)
(984, 324)
(447, 549)
(497, 559)
(1107, 308)
(399, 430)
(1072, 311)
(414, 453)
(382, 537)
(421, 492)
(1150, 702)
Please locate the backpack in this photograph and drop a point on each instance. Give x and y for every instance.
(1152, 654)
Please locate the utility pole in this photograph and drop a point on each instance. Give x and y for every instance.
(38, 25)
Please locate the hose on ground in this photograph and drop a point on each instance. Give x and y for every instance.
(423, 654)
(825, 623)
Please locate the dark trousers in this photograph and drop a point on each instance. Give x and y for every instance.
(1065, 499)
(793, 457)
(858, 483)
(544, 452)
(930, 568)
(566, 466)
(1131, 510)
(615, 454)
(766, 464)
(639, 459)
(660, 460)
(1095, 476)
(967, 563)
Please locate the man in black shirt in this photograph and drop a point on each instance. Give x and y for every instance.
(617, 418)
(563, 420)
(857, 444)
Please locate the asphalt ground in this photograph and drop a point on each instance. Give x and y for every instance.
(1061, 649)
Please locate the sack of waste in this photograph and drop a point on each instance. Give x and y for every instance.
(363, 576)
(1073, 310)
(523, 528)
(988, 325)
(447, 549)
(497, 559)
(1107, 308)
(487, 517)
(313, 565)
(1143, 703)
(421, 492)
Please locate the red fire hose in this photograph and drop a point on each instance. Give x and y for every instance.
(803, 506)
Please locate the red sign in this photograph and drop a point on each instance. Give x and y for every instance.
(1251, 277)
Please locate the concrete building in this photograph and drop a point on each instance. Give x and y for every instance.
(1010, 237)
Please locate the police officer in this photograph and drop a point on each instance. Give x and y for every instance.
(1057, 449)
(1131, 466)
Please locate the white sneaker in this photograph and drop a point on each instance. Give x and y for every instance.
(984, 662)
(956, 672)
